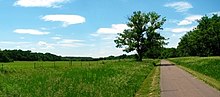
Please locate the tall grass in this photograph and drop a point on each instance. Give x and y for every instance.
(79, 79)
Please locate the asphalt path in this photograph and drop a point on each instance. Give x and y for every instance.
(175, 82)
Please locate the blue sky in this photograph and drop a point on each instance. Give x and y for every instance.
(88, 27)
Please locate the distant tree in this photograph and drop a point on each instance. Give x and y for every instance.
(142, 36)
(204, 40)
(4, 57)
(111, 57)
(169, 53)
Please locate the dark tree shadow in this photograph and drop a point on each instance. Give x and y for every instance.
(166, 64)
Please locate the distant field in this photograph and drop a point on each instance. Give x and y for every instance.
(76, 79)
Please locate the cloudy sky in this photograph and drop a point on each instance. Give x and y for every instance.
(88, 27)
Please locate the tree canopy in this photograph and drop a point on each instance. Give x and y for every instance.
(204, 40)
(142, 36)
(19, 55)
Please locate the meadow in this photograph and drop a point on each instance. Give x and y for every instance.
(73, 79)
(206, 68)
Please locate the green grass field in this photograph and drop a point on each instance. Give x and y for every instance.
(79, 79)
(206, 68)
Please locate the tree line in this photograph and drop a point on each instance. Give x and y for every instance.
(19, 55)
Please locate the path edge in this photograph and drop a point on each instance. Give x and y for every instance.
(152, 81)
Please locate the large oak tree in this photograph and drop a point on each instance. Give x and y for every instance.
(142, 36)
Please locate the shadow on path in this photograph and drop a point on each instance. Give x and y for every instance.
(166, 65)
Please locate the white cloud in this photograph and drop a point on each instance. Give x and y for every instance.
(30, 31)
(190, 19)
(184, 22)
(179, 6)
(56, 38)
(66, 19)
(173, 35)
(40, 3)
(217, 12)
(68, 41)
(115, 28)
(65, 43)
(14, 43)
(178, 30)
(22, 38)
(71, 45)
(172, 21)
(45, 45)
(183, 29)
(61, 43)
(110, 33)
(43, 28)
(42, 43)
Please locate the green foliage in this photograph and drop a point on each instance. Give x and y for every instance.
(78, 59)
(82, 79)
(203, 40)
(123, 56)
(209, 66)
(142, 35)
(169, 53)
(19, 55)
(4, 57)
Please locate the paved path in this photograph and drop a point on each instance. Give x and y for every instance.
(175, 82)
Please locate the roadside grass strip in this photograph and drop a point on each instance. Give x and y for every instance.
(152, 81)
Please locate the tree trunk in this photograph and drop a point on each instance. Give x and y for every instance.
(139, 56)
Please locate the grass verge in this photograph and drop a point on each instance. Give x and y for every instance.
(152, 81)
(212, 82)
